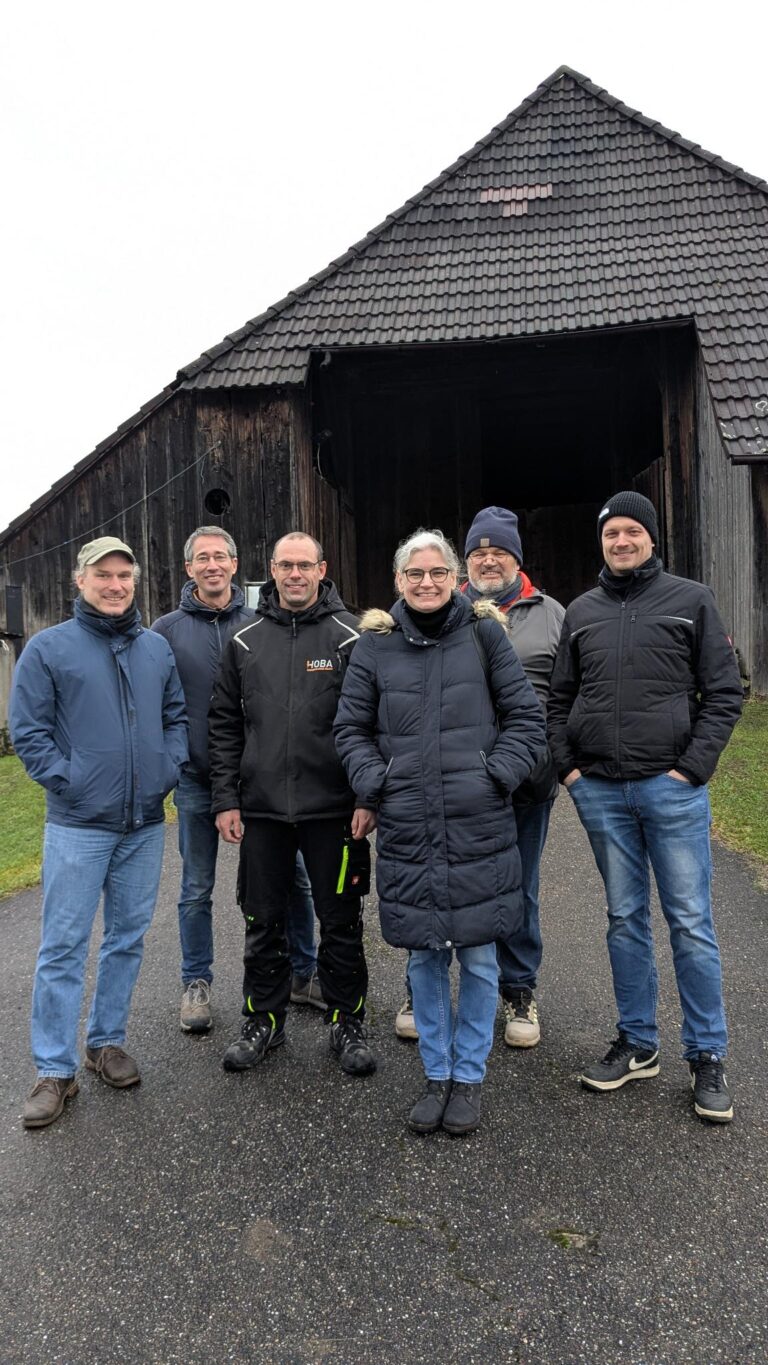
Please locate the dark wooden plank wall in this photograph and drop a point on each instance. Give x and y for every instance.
(246, 440)
(727, 528)
(759, 481)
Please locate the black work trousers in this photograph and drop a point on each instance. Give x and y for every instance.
(266, 876)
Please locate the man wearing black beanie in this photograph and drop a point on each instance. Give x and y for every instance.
(645, 693)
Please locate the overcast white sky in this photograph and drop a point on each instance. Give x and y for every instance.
(171, 169)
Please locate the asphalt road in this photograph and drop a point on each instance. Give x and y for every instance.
(288, 1217)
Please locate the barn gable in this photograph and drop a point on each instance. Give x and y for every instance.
(576, 213)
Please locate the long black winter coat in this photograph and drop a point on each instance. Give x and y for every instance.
(270, 736)
(418, 735)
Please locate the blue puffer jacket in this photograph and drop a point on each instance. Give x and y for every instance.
(97, 718)
(417, 732)
(197, 635)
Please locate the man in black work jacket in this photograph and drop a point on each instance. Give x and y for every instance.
(278, 786)
(645, 694)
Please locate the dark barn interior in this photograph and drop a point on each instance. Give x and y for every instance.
(426, 436)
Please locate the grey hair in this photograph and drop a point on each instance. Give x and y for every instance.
(299, 535)
(425, 540)
(189, 545)
(78, 573)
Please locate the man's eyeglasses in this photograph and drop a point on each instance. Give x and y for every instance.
(218, 558)
(303, 566)
(417, 575)
(477, 555)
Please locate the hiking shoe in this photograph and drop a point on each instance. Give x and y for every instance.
(257, 1037)
(113, 1065)
(196, 1007)
(405, 1024)
(305, 990)
(349, 1043)
(45, 1101)
(427, 1114)
(522, 1019)
(622, 1062)
(462, 1114)
(711, 1097)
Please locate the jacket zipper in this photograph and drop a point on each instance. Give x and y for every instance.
(288, 750)
(619, 678)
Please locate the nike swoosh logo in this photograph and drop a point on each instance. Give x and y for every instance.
(635, 1065)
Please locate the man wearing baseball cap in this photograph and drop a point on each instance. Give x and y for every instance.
(645, 694)
(97, 717)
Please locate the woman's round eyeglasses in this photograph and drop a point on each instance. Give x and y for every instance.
(416, 575)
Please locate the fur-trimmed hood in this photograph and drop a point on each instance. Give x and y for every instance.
(383, 622)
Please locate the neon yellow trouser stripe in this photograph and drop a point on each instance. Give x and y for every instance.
(342, 870)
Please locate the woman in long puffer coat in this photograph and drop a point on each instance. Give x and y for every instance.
(437, 726)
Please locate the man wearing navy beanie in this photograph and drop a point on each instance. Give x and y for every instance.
(645, 694)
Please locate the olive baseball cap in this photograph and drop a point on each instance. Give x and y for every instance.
(97, 549)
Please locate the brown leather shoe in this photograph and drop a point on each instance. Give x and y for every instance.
(46, 1100)
(113, 1065)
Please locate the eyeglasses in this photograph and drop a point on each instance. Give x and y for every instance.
(219, 558)
(477, 555)
(417, 575)
(303, 566)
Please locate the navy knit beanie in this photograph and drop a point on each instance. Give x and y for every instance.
(495, 526)
(630, 504)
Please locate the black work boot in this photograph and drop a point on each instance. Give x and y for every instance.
(349, 1042)
(257, 1037)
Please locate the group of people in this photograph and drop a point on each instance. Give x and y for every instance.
(294, 730)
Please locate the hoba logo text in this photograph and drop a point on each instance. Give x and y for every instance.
(319, 665)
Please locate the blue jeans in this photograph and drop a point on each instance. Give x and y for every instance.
(663, 824)
(78, 864)
(454, 1046)
(519, 958)
(199, 847)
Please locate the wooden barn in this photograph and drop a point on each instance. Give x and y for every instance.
(578, 304)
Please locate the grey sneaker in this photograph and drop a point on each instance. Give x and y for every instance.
(305, 990)
(521, 1019)
(46, 1100)
(196, 1007)
(405, 1024)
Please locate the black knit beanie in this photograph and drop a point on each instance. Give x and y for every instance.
(630, 504)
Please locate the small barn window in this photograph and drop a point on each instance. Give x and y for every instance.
(217, 501)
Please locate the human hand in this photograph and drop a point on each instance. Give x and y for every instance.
(230, 826)
(363, 822)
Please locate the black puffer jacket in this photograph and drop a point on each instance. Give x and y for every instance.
(270, 724)
(197, 635)
(645, 680)
(417, 731)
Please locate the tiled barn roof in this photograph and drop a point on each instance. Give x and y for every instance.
(576, 212)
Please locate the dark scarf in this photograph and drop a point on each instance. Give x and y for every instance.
(503, 598)
(128, 621)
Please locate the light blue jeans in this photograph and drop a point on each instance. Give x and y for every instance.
(663, 824)
(454, 1046)
(78, 865)
(199, 847)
